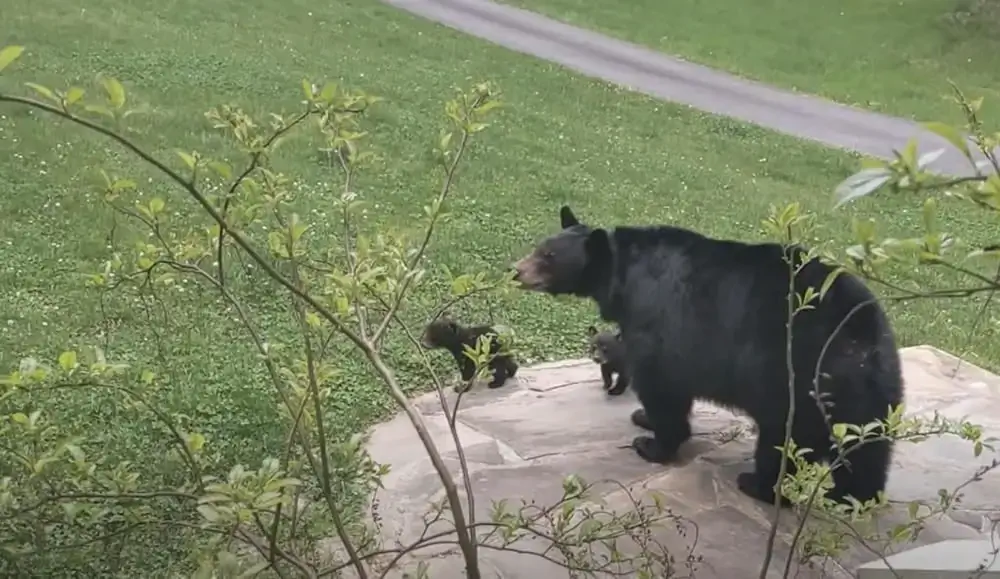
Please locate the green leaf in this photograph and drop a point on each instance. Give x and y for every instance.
(224, 170)
(67, 360)
(909, 153)
(44, 91)
(861, 183)
(930, 214)
(297, 230)
(74, 94)
(839, 430)
(307, 89)
(950, 134)
(188, 159)
(276, 243)
(115, 91)
(9, 54)
(446, 140)
(487, 106)
(209, 513)
(99, 110)
(19, 418)
(927, 158)
(156, 205)
(828, 282)
(328, 92)
(75, 452)
(195, 442)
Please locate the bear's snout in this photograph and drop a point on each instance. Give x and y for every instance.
(526, 272)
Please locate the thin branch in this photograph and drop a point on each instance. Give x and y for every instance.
(450, 416)
(352, 263)
(324, 457)
(255, 162)
(790, 312)
(445, 189)
(979, 317)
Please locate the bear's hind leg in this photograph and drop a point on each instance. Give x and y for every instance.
(668, 415)
(499, 373)
(865, 474)
(760, 484)
(511, 365)
(640, 419)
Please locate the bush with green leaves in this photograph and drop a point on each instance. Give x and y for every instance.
(71, 506)
(970, 269)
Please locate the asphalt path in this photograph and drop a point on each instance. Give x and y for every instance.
(672, 79)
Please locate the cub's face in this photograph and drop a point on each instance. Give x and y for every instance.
(600, 344)
(562, 263)
(597, 353)
(440, 333)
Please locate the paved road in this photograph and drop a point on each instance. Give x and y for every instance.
(672, 79)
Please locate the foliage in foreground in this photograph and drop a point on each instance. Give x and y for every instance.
(67, 503)
(70, 505)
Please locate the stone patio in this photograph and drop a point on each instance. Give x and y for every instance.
(555, 420)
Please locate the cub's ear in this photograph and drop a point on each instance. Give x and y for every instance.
(591, 330)
(598, 249)
(567, 218)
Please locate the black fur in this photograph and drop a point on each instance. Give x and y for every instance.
(706, 318)
(607, 349)
(452, 336)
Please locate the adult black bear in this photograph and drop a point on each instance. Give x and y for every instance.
(607, 349)
(448, 334)
(706, 318)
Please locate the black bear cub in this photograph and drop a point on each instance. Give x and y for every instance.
(452, 336)
(606, 348)
(706, 318)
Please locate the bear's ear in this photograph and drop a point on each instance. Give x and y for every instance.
(591, 330)
(598, 248)
(567, 218)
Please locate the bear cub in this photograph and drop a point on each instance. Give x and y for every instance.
(606, 348)
(705, 318)
(448, 334)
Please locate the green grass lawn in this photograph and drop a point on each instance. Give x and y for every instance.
(616, 157)
(886, 55)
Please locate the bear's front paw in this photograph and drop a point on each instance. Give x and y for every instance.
(650, 450)
(747, 483)
(617, 390)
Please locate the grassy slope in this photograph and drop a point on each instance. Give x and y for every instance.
(886, 55)
(615, 156)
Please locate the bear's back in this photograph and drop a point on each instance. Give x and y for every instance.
(715, 312)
